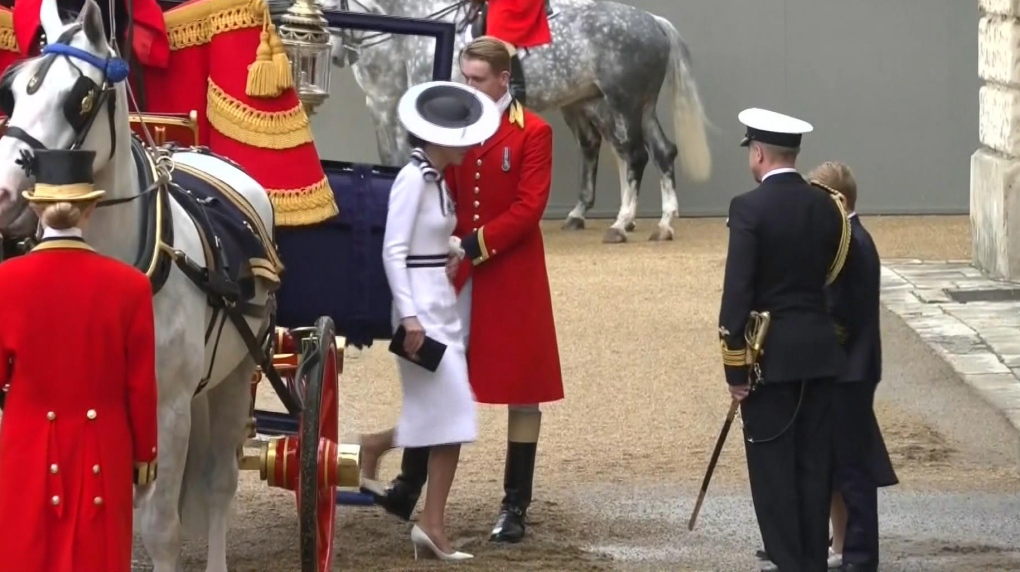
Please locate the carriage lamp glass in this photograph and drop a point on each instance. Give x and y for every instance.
(305, 37)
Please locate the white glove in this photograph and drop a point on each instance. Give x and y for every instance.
(455, 248)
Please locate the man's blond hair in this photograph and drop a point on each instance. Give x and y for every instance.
(490, 50)
(838, 176)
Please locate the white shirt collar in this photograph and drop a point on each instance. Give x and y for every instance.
(778, 171)
(851, 215)
(61, 233)
(504, 102)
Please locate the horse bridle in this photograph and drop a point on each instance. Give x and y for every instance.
(84, 103)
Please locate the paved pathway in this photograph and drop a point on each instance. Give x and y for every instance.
(979, 339)
(926, 526)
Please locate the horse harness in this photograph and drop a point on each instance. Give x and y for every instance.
(85, 101)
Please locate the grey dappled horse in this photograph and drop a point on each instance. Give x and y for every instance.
(603, 71)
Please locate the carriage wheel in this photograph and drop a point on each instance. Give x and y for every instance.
(319, 429)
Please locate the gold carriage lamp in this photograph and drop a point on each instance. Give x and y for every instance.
(305, 37)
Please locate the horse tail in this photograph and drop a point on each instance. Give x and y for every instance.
(193, 507)
(689, 117)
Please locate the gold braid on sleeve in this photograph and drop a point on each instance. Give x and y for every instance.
(844, 238)
(145, 473)
(731, 357)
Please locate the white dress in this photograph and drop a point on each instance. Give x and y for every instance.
(438, 408)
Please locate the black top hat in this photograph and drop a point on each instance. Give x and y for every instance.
(63, 175)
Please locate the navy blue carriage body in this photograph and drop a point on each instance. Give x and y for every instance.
(335, 267)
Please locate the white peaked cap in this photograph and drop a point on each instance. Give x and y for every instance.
(772, 128)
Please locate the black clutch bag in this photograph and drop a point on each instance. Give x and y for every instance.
(429, 354)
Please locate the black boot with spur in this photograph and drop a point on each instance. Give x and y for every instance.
(517, 483)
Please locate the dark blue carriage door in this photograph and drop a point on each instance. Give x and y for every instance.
(334, 268)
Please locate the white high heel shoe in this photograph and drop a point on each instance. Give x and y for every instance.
(421, 540)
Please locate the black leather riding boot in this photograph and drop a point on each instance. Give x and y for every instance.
(403, 493)
(517, 89)
(517, 484)
(519, 474)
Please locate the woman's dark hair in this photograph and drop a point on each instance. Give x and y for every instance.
(415, 141)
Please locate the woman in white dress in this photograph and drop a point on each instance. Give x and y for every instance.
(443, 120)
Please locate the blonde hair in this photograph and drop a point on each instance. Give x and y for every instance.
(838, 176)
(490, 50)
(62, 215)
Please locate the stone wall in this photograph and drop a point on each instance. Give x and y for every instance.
(995, 167)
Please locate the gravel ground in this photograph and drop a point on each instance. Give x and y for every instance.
(622, 456)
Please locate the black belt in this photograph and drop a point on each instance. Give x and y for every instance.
(426, 260)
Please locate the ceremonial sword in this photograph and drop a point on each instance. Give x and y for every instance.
(754, 335)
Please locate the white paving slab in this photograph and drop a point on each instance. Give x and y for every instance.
(980, 340)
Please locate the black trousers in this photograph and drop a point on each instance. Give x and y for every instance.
(861, 466)
(791, 475)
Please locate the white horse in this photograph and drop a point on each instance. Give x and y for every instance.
(198, 435)
(603, 71)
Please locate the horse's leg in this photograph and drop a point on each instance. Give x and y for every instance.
(590, 142)
(663, 154)
(228, 416)
(389, 134)
(628, 145)
(160, 516)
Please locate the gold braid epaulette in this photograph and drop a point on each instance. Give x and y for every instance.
(844, 238)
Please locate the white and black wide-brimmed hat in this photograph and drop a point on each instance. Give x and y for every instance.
(448, 114)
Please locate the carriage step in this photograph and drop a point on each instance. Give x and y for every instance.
(353, 498)
(273, 423)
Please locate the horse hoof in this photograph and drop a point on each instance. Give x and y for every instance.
(661, 233)
(573, 223)
(614, 236)
(631, 226)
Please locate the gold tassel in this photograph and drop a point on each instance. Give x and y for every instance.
(284, 74)
(262, 74)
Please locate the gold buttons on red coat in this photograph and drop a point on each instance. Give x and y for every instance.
(91, 414)
(95, 469)
(475, 217)
(476, 190)
(478, 163)
(478, 176)
(53, 469)
(51, 416)
(98, 501)
(55, 500)
(476, 204)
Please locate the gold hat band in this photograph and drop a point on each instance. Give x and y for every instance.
(47, 193)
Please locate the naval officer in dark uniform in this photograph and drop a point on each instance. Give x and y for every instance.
(787, 241)
(861, 461)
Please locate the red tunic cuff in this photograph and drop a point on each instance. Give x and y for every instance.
(474, 247)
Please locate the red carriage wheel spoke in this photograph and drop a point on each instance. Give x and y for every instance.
(319, 455)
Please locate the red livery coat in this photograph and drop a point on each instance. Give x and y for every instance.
(522, 23)
(501, 190)
(150, 43)
(78, 352)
